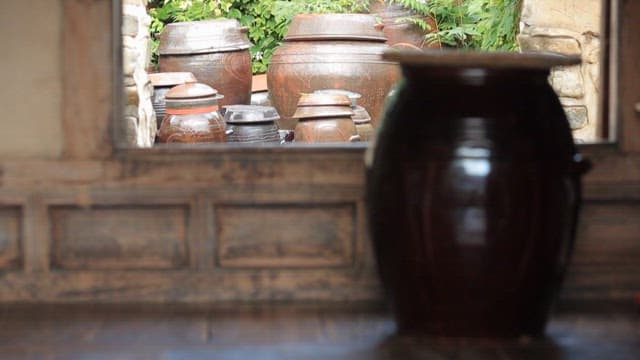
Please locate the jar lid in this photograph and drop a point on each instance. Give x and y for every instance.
(192, 95)
(200, 37)
(335, 27)
(164, 79)
(247, 114)
(313, 112)
(323, 99)
(353, 96)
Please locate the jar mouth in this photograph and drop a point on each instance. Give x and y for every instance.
(480, 60)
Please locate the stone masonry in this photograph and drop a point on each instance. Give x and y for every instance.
(140, 120)
(569, 27)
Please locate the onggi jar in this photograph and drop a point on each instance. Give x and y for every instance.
(192, 115)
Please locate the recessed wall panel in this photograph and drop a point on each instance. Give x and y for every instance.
(10, 238)
(285, 235)
(119, 237)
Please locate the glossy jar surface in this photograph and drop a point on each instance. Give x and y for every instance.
(215, 51)
(473, 190)
(192, 116)
(351, 62)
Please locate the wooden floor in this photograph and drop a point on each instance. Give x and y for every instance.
(286, 332)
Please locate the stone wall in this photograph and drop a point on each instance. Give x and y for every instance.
(569, 27)
(140, 119)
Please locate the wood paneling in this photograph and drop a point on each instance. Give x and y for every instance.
(121, 237)
(285, 235)
(89, 78)
(11, 256)
(606, 260)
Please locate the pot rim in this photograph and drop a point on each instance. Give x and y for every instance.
(478, 59)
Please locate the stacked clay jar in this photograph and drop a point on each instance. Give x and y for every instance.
(323, 51)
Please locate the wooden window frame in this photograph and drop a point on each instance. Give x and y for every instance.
(208, 188)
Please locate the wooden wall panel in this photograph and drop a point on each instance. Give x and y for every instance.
(119, 237)
(285, 235)
(11, 255)
(606, 260)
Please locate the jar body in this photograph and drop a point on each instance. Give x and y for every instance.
(158, 101)
(229, 72)
(305, 66)
(193, 128)
(262, 132)
(336, 129)
(472, 204)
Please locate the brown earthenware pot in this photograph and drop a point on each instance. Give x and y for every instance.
(397, 29)
(331, 53)
(361, 117)
(252, 124)
(192, 115)
(162, 83)
(473, 204)
(325, 124)
(215, 51)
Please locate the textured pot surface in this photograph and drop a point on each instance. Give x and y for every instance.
(252, 124)
(305, 66)
(473, 204)
(215, 51)
(398, 31)
(192, 115)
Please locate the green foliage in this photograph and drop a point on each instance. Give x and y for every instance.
(268, 20)
(473, 24)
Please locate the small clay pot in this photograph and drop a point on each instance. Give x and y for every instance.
(252, 124)
(361, 117)
(192, 115)
(324, 118)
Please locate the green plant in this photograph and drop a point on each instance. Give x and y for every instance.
(268, 20)
(474, 24)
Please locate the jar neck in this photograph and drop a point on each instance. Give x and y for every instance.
(472, 77)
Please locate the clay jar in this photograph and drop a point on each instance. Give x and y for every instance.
(473, 205)
(360, 117)
(192, 115)
(162, 83)
(326, 51)
(324, 118)
(215, 51)
(398, 31)
(252, 124)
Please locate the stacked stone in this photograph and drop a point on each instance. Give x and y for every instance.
(569, 27)
(140, 120)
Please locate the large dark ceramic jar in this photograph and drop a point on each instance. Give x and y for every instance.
(192, 115)
(473, 204)
(331, 51)
(215, 51)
